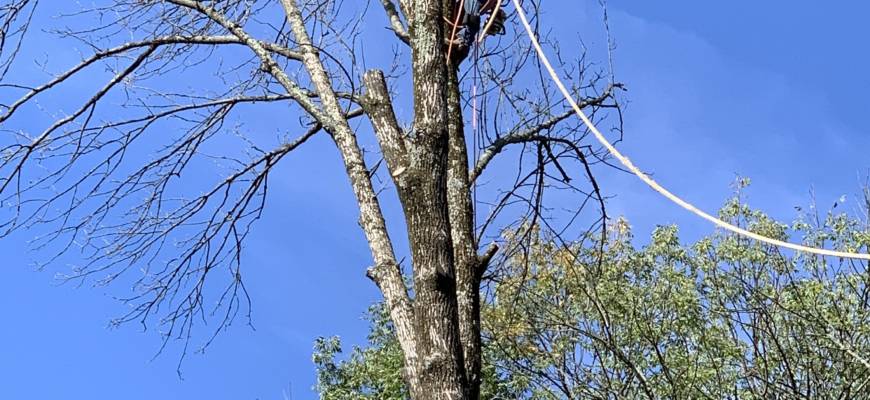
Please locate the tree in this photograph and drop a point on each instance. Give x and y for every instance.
(106, 179)
(724, 318)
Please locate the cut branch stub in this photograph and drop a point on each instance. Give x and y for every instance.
(379, 107)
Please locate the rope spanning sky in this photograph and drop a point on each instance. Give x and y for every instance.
(647, 179)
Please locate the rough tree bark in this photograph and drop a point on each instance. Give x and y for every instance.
(437, 321)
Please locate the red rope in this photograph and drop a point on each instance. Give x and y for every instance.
(455, 27)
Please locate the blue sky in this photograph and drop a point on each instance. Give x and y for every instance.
(759, 89)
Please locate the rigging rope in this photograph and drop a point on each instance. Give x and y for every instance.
(454, 29)
(490, 22)
(647, 179)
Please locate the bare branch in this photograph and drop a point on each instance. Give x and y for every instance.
(396, 21)
(522, 136)
(27, 150)
(386, 271)
(379, 108)
(269, 64)
(104, 54)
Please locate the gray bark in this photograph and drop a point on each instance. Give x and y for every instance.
(433, 336)
(439, 328)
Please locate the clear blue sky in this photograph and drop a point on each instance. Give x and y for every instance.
(770, 90)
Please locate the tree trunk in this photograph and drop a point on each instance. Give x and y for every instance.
(426, 208)
(440, 332)
(464, 243)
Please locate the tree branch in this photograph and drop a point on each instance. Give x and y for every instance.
(269, 64)
(386, 271)
(522, 136)
(38, 141)
(396, 21)
(161, 41)
(484, 259)
(379, 108)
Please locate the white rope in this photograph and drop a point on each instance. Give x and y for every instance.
(649, 181)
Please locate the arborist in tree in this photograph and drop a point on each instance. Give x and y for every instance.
(473, 9)
(468, 23)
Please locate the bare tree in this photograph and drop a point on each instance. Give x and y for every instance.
(106, 179)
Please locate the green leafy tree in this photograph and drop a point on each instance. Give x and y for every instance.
(723, 318)
(374, 372)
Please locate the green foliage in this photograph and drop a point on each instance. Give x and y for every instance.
(723, 318)
(374, 372)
